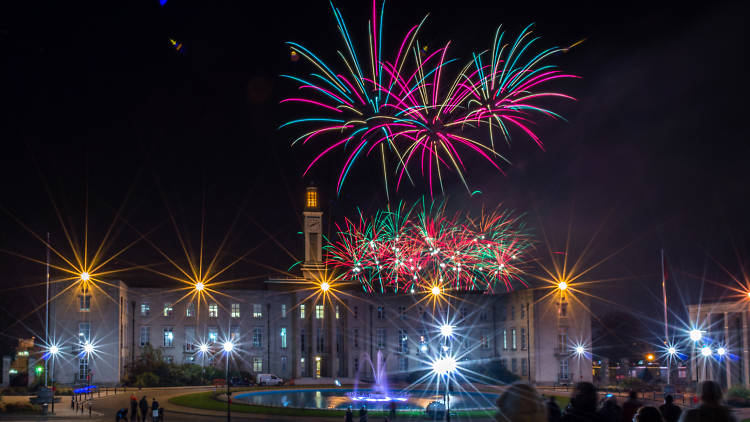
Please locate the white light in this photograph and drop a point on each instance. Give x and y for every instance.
(562, 285)
(203, 348)
(54, 349)
(423, 348)
(446, 330)
(88, 348)
(199, 286)
(721, 351)
(228, 346)
(324, 286)
(580, 350)
(444, 366)
(695, 335)
(706, 351)
(435, 290)
(671, 350)
(85, 276)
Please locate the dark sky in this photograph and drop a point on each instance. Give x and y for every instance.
(98, 101)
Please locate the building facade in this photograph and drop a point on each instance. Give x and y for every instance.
(286, 331)
(723, 325)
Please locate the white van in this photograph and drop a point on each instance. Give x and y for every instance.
(268, 379)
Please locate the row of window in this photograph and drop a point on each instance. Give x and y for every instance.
(510, 340)
(514, 366)
(213, 310)
(191, 340)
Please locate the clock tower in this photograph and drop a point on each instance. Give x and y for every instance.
(313, 234)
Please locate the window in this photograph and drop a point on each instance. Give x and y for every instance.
(505, 339)
(381, 313)
(167, 309)
(484, 339)
(190, 339)
(168, 359)
(283, 337)
(356, 312)
(234, 333)
(512, 312)
(380, 336)
(283, 310)
(562, 339)
(564, 309)
(356, 338)
(235, 310)
(524, 369)
(403, 363)
(168, 337)
(312, 198)
(283, 364)
(213, 310)
(514, 365)
(84, 332)
(145, 309)
(302, 311)
(564, 374)
(190, 310)
(257, 310)
(483, 315)
(337, 311)
(257, 337)
(403, 341)
(356, 365)
(302, 340)
(213, 334)
(257, 365)
(85, 302)
(302, 367)
(523, 312)
(145, 335)
(189, 359)
(83, 368)
(319, 312)
(513, 338)
(402, 312)
(321, 340)
(523, 339)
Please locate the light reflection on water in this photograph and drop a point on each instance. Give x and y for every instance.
(337, 399)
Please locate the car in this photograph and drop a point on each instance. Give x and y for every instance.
(268, 379)
(239, 382)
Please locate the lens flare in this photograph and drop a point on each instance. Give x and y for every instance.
(444, 365)
(696, 335)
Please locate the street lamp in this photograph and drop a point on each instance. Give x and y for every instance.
(324, 286)
(199, 286)
(435, 291)
(85, 276)
(53, 351)
(696, 335)
(562, 286)
(446, 330)
(580, 351)
(228, 347)
(444, 367)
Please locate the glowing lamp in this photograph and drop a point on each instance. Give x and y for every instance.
(706, 351)
(199, 286)
(54, 349)
(579, 350)
(228, 346)
(324, 286)
(696, 335)
(85, 276)
(748, 294)
(650, 357)
(444, 365)
(446, 330)
(562, 286)
(721, 351)
(671, 350)
(88, 348)
(423, 348)
(435, 290)
(203, 348)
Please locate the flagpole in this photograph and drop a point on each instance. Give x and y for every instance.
(666, 329)
(46, 316)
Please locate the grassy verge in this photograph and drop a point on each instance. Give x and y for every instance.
(208, 401)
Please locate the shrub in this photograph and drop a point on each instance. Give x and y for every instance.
(147, 379)
(739, 392)
(636, 384)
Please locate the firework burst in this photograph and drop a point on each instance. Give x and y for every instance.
(422, 247)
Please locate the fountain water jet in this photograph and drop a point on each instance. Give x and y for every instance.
(380, 392)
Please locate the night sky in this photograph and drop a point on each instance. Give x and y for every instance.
(100, 106)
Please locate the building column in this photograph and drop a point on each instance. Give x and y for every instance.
(745, 360)
(727, 361)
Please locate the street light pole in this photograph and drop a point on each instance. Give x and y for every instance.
(46, 312)
(229, 398)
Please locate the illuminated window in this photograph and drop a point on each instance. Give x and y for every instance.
(302, 367)
(84, 332)
(513, 338)
(505, 339)
(167, 309)
(168, 337)
(403, 341)
(145, 309)
(257, 310)
(213, 310)
(337, 311)
(302, 311)
(257, 365)
(312, 199)
(283, 337)
(283, 310)
(235, 310)
(319, 312)
(213, 334)
(85, 302)
(190, 310)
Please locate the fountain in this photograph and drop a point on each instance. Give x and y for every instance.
(379, 391)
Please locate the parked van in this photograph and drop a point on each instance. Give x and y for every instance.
(268, 379)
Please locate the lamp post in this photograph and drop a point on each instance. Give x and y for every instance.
(446, 365)
(53, 350)
(580, 351)
(228, 347)
(696, 336)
